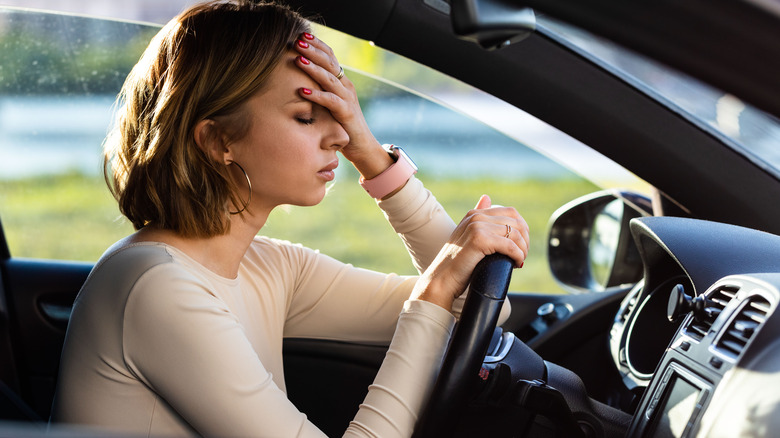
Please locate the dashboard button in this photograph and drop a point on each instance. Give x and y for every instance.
(716, 363)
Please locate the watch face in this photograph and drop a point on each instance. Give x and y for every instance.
(402, 154)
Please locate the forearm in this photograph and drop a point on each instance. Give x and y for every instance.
(404, 381)
(340, 302)
(421, 222)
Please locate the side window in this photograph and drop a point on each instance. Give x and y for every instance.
(58, 80)
(459, 158)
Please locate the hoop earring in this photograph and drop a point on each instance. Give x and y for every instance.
(249, 183)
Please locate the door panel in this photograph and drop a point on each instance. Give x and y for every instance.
(39, 294)
(328, 380)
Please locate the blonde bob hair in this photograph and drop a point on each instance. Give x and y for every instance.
(204, 64)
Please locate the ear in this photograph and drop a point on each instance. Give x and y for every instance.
(208, 136)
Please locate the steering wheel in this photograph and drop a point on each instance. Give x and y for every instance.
(487, 290)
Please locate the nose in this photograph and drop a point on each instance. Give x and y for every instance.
(337, 138)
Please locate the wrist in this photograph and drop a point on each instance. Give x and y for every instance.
(392, 178)
(428, 290)
(369, 161)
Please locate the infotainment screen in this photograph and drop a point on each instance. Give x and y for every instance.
(675, 409)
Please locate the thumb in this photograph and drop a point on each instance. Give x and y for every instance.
(484, 202)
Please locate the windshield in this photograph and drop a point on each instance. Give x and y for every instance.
(745, 128)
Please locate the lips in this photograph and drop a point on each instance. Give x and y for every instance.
(327, 173)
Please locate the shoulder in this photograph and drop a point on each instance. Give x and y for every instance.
(136, 257)
(170, 290)
(127, 269)
(121, 265)
(278, 251)
(140, 282)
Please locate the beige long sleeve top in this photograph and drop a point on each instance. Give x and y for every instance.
(159, 345)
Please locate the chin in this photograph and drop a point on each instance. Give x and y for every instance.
(313, 200)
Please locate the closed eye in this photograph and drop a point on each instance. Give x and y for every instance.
(305, 121)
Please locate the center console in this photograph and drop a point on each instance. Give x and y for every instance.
(718, 328)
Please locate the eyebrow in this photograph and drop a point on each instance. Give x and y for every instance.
(297, 99)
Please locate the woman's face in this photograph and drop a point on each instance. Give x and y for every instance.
(290, 149)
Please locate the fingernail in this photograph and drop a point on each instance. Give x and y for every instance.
(303, 60)
(521, 264)
(305, 91)
(303, 44)
(308, 36)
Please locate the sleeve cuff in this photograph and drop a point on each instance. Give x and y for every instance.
(433, 312)
(503, 316)
(406, 201)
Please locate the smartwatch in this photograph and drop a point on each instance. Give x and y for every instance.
(393, 177)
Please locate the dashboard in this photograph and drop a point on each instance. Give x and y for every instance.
(696, 340)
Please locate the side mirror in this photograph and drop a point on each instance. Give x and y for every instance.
(589, 245)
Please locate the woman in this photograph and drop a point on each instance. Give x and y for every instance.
(233, 110)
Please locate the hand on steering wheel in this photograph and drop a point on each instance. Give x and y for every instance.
(483, 231)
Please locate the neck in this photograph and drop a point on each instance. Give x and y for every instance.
(221, 254)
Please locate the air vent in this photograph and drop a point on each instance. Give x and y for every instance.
(716, 302)
(746, 323)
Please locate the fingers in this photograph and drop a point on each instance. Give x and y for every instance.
(501, 217)
(520, 240)
(337, 95)
(321, 64)
(484, 202)
(500, 229)
(485, 230)
(332, 94)
(320, 53)
(489, 236)
(326, 80)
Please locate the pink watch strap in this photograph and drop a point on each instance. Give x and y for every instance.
(393, 177)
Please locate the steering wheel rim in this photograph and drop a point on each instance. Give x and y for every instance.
(467, 348)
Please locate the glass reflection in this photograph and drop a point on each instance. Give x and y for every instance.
(603, 244)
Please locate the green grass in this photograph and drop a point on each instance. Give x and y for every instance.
(73, 217)
(69, 217)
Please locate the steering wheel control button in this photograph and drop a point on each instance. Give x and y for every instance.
(496, 381)
(685, 345)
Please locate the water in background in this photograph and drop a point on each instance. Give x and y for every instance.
(42, 135)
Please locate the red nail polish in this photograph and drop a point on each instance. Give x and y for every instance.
(305, 91)
(303, 60)
(521, 264)
(308, 36)
(303, 44)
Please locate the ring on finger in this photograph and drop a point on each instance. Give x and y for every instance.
(341, 73)
(508, 231)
